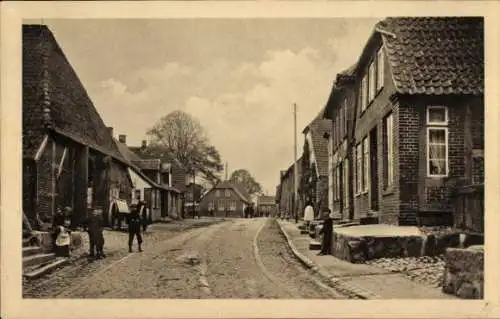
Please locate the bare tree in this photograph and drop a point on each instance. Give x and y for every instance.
(244, 178)
(180, 136)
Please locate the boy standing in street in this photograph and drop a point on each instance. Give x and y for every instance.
(134, 229)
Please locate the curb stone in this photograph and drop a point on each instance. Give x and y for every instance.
(348, 289)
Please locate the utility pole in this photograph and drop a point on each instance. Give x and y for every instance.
(295, 168)
(226, 172)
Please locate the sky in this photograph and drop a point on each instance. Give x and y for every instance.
(238, 77)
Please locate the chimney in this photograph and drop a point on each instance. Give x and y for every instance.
(144, 144)
(122, 138)
(110, 129)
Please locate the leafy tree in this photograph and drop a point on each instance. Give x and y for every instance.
(179, 136)
(244, 178)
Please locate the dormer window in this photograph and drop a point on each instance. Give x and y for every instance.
(217, 193)
(228, 193)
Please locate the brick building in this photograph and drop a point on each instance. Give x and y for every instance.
(225, 199)
(69, 157)
(286, 192)
(410, 118)
(314, 178)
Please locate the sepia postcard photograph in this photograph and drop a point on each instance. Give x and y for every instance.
(225, 159)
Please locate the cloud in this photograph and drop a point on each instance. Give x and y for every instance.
(245, 106)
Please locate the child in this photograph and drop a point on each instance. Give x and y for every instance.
(96, 237)
(62, 242)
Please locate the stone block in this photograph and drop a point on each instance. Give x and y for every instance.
(464, 272)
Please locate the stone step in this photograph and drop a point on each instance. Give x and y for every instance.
(46, 269)
(31, 250)
(37, 259)
(314, 245)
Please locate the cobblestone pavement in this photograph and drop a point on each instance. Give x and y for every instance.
(423, 270)
(239, 258)
(116, 248)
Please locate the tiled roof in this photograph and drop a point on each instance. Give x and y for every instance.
(57, 86)
(436, 55)
(238, 189)
(318, 127)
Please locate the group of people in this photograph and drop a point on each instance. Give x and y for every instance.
(249, 211)
(327, 229)
(137, 221)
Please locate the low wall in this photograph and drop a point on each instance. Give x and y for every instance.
(464, 272)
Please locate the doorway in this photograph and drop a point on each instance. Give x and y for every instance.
(374, 170)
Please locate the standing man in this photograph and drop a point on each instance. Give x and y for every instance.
(134, 229)
(144, 214)
(327, 231)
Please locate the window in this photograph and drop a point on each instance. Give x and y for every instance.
(359, 168)
(372, 75)
(338, 176)
(437, 151)
(437, 115)
(437, 141)
(220, 204)
(366, 161)
(341, 124)
(363, 94)
(337, 127)
(345, 116)
(228, 193)
(380, 69)
(388, 151)
(211, 205)
(346, 182)
(217, 193)
(232, 206)
(157, 199)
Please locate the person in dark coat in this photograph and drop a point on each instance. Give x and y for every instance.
(134, 229)
(327, 231)
(143, 213)
(93, 226)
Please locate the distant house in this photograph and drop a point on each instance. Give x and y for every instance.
(314, 178)
(192, 197)
(286, 204)
(225, 199)
(266, 205)
(168, 202)
(416, 98)
(143, 186)
(69, 157)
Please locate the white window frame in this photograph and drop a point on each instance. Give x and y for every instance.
(372, 82)
(364, 93)
(438, 128)
(437, 107)
(211, 205)
(346, 123)
(221, 205)
(359, 168)
(217, 193)
(380, 68)
(232, 205)
(366, 163)
(390, 149)
(227, 193)
(346, 182)
(338, 179)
